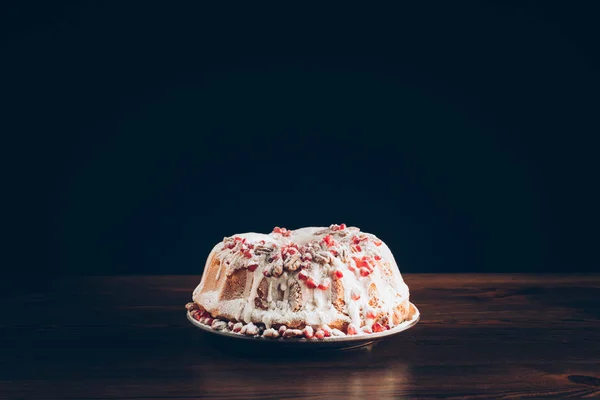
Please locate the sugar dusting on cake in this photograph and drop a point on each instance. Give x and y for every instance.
(303, 269)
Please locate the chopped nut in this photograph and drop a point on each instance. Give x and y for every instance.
(251, 329)
(271, 333)
(218, 325)
(191, 306)
(277, 268)
(292, 263)
(237, 327)
(262, 249)
(290, 333)
(324, 257)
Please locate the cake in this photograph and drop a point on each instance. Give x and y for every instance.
(311, 282)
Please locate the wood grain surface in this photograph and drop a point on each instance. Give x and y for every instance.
(480, 337)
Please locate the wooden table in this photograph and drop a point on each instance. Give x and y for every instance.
(480, 337)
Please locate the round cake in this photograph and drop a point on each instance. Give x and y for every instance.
(310, 282)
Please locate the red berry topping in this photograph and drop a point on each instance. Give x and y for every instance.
(355, 239)
(356, 248)
(310, 283)
(267, 273)
(326, 331)
(338, 274)
(208, 321)
(302, 276)
(328, 239)
(324, 285)
(334, 252)
(377, 242)
(247, 254)
(196, 315)
(377, 257)
(342, 227)
(252, 267)
(352, 330)
(377, 327)
(282, 231)
(365, 271)
(320, 334)
(370, 314)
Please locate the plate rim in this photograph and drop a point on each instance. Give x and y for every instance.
(333, 339)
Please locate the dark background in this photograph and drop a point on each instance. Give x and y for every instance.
(137, 135)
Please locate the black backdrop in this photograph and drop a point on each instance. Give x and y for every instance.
(464, 135)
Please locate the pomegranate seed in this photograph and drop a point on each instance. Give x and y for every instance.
(377, 242)
(231, 245)
(205, 314)
(352, 330)
(365, 271)
(356, 248)
(328, 240)
(282, 231)
(266, 273)
(237, 239)
(196, 315)
(351, 267)
(250, 246)
(320, 334)
(208, 321)
(377, 257)
(292, 251)
(325, 284)
(370, 314)
(252, 267)
(306, 257)
(302, 276)
(338, 274)
(355, 239)
(326, 331)
(247, 254)
(308, 332)
(310, 283)
(342, 227)
(334, 252)
(355, 295)
(261, 242)
(377, 327)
